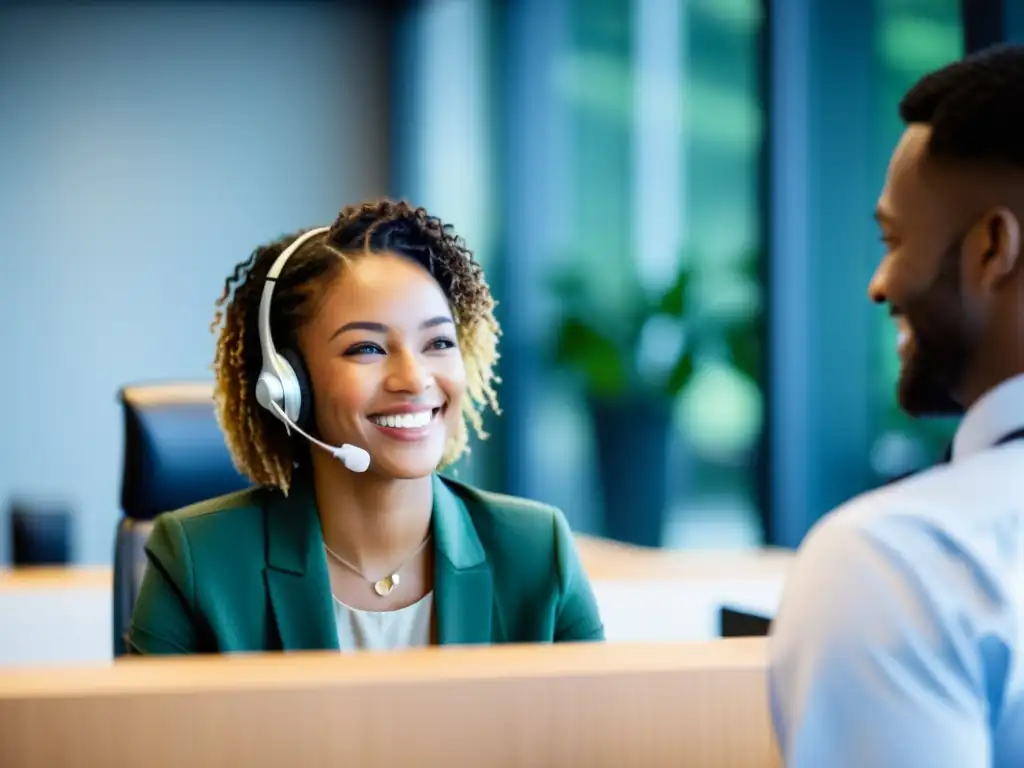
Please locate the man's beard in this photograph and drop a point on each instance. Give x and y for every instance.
(940, 347)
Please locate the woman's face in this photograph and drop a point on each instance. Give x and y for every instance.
(384, 365)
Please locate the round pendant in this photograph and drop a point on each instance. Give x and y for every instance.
(386, 585)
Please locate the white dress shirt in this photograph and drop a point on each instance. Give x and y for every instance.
(899, 638)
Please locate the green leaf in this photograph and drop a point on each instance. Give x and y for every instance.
(680, 376)
(568, 284)
(593, 355)
(744, 348)
(673, 302)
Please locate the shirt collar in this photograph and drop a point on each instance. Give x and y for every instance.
(997, 413)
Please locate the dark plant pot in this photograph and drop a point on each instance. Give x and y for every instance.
(632, 457)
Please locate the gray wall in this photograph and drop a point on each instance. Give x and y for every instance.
(143, 151)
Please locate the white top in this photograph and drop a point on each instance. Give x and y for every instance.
(407, 627)
(898, 638)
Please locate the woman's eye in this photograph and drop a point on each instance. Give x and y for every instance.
(365, 348)
(442, 342)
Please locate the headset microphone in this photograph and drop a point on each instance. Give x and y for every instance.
(281, 387)
(353, 457)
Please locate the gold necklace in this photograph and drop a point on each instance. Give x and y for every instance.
(385, 586)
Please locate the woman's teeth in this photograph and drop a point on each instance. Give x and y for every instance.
(404, 420)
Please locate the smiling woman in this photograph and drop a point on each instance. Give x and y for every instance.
(376, 338)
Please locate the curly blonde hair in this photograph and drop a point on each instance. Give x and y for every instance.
(260, 445)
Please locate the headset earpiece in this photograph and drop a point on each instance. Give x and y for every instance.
(279, 387)
(302, 403)
(283, 386)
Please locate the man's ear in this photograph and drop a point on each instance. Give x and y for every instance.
(992, 248)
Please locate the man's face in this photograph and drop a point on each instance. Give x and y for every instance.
(919, 278)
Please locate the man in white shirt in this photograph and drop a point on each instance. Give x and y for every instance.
(899, 639)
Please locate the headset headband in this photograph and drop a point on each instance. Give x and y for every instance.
(270, 357)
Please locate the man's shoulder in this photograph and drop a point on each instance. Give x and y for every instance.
(895, 520)
(938, 532)
(966, 505)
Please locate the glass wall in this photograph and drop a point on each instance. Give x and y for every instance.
(721, 235)
(911, 38)
(826, 168)
(615, 203)
(443, 153)
(648, 117)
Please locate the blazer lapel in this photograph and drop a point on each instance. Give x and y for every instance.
(462, 575)
(298, 586)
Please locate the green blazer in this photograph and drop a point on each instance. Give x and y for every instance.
(246, 573)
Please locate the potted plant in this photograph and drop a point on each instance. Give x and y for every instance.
(633, 365)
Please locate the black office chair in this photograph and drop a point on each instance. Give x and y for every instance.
(174, 455)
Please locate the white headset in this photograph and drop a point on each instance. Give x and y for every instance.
(279, 387)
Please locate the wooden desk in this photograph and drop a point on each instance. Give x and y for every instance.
(607, 560)
(644, 595)
(589, 705)
(48, 578)
(55, 616)
(663, 595)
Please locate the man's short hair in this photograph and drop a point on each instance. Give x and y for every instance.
(975, 108)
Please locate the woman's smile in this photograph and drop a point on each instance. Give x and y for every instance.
(407, 425)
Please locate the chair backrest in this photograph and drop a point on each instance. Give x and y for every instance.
(174, 455)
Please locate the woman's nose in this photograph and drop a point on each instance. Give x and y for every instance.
(407, 374)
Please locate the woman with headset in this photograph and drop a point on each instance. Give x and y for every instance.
(351, 362)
